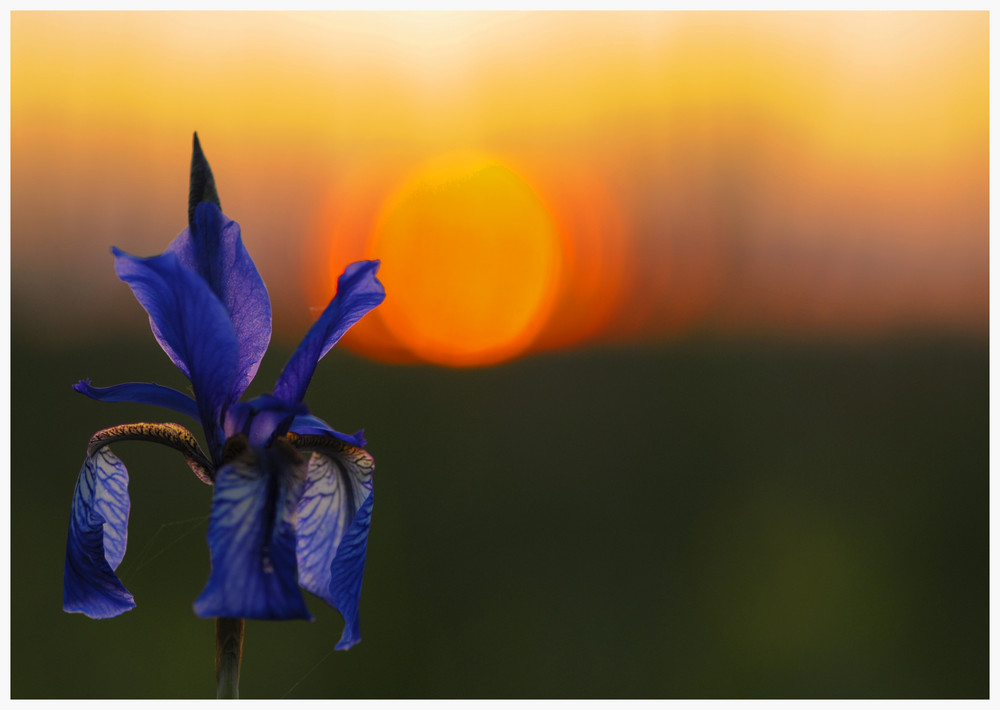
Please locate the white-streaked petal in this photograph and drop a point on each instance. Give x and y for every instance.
(252, 538)
(332, 522)
(98, 532)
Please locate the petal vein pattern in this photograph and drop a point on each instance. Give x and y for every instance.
(97, 537)
(332, 522)
(252, 539)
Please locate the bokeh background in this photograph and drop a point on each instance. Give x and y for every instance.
(680, 388)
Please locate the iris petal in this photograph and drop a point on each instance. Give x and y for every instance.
(142, 392)
(347, 571)
(332, 522)
(192, 327)
(310, 425)
(358, 291)
(261, 419)
(95, 546)
(212, 247)
(252, 538)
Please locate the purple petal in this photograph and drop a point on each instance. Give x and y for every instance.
(191, 326)
(261, 419)
(333, 519)
(358, 291)
(95, 546)
(347, 571)
(252, 538)
(307, 424)
(212, 247)
(142, 392)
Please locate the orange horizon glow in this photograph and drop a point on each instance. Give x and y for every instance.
(653, 174)
(563, 249)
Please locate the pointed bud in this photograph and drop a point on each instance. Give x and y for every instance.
(202, 183)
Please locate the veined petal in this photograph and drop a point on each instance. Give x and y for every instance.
(358, 291)
(212, 248)
(307, 424)
(192, 327)
(347, 571)
(252, 538)
(95, 546)
(332, 523)
(142, 392)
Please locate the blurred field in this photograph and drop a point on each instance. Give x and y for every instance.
(706, 519)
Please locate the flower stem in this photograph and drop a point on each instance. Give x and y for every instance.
(228, 654)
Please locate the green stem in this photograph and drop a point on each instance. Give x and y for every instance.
(228, 653)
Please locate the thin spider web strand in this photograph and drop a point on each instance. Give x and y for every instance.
(143, 558)
(308, 673)
(171, 544)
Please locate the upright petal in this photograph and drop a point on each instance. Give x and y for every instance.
(252, 538)
(212, 247)
(358, 291)
(332, 522)
(142, 392)
(192, 327)
(95, 546)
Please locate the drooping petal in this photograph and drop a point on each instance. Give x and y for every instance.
(307, 424)
(347, 571)
(192, 327)
(332, 522)
(142, 392)
(358, 291)
(212, 247)
(252, 538)
(95, 546)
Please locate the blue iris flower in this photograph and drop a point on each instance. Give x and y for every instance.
(293, 498)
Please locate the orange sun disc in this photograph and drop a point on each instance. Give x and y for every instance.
(470, 261)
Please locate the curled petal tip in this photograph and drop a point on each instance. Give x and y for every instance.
(358, 292)
(344, 645)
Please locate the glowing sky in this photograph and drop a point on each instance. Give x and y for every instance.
(530, 181)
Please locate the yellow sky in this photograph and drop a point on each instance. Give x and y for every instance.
(748, 171)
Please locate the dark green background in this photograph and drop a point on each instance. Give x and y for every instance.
(698, 518)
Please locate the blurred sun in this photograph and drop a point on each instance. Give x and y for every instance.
(471, 259)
